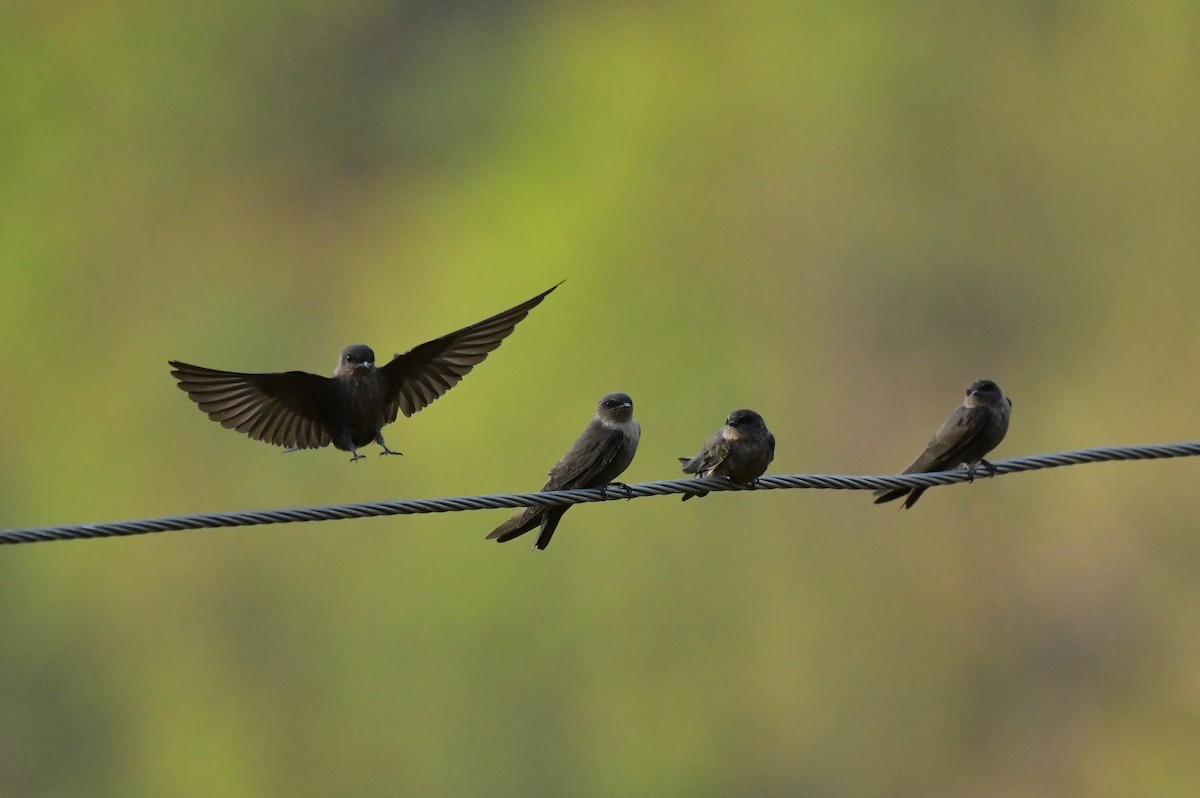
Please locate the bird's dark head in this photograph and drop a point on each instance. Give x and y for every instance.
(983, 392)
(745, 420)
(355, 359)
(742, 423)
(615, 408)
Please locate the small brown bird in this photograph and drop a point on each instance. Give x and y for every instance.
(599, 456)
(298, 410)
(741, 450)
(971, 431)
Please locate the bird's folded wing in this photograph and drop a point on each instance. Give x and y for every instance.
(956, 437)
(715, 452)
(286, 409)
(589, 458)
(425, 372)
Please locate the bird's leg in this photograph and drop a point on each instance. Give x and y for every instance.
(970, 472)
(355, 456)
(382, 445)
(991, 469)
(628, 490)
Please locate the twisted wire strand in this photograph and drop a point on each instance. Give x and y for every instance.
(549, 498)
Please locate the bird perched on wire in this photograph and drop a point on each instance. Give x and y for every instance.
(298, 410)
(740, 450)
(599, 456)
(974, 428)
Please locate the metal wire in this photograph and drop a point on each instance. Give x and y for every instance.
(641, 490)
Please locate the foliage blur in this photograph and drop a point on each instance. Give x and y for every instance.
(836, 214)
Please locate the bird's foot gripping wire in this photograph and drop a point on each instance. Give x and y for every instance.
(625, 488)
(970, 472)
(991, 469)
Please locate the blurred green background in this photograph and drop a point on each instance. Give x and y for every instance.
(837, 214)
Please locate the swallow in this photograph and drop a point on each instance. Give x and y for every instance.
(599, 456)
(974, 428)
(740, 450)
(298, 410)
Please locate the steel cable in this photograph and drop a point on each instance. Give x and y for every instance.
(641, 490)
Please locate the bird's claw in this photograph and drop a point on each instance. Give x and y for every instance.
(622, 486)
(970, 472)
(355, 457)
(991, 469)
(384, 446)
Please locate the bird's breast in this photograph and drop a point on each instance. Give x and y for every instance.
(361, 403)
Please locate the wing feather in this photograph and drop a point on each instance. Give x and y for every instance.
(421, 375)
(284, 409)
(714, 452)
(588, 459)
(958, 435)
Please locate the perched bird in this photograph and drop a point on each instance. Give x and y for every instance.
(740, 450)
(602, 453)
(971, 431)
(298, 410)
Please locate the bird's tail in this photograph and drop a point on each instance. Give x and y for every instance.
(692, 465)
(550, 521)
(919, 466)
(530, 518)
(518, 525)
(891, 494)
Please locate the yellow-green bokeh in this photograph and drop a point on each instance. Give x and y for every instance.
(836, 214)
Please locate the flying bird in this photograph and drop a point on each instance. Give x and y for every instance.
(740, 450)
(599, 456)
(298, 410)
(970, 432)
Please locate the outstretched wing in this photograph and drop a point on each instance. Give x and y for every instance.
(285, 409)
(422, 374)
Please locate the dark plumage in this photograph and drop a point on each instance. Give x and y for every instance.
(740, 450)
(298, 410)
(971, 431)
(599, 456)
